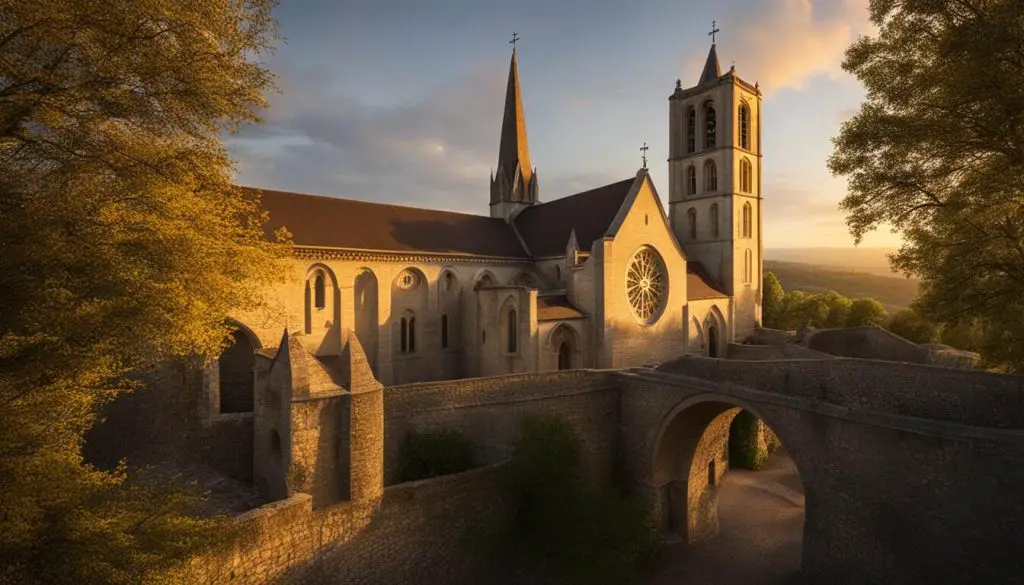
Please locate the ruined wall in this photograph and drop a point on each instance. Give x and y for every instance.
(488, 411)
(422, 532)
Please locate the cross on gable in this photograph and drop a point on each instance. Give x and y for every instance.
(643, 149)
(714, 30)
(515, 39)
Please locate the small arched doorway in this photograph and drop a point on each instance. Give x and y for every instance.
(564, 356)
(235, 370)
(713, 341)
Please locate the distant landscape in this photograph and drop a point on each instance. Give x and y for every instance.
(851, 272)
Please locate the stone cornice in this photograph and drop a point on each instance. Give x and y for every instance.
(314, 253)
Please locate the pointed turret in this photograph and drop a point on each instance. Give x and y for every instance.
(514, 182)
(712, 70)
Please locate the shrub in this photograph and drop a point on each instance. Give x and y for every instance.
(745, 448)
(566, 531)
(434, 453)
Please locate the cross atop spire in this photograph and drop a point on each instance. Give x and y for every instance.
(515, 39)
(714, 30)
(644, 149)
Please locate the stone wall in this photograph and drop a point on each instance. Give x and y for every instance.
(737, 351)
(928, 392)
(488, 411)
(421, 532)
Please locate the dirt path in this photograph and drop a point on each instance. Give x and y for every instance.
(761, 516)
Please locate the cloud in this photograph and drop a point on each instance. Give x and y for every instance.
(437, 151)
(787, 42)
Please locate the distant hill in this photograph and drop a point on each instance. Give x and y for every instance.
(895, 292)
(870, 260)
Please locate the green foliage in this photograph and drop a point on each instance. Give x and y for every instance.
(839, 308)
(745, 447)
(893, 291)
(864, 312)
(910, 325)
(434, 453)
(124, 243)
(937, 153)
(565, 530)
(772, 296)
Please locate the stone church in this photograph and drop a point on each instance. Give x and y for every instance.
(599, 279)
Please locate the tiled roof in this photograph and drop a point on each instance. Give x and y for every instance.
(556, 308)
(346, 223)
(699, 284)
(546, 227)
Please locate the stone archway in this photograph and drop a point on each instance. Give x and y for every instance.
(235, 374)
(564, 343)
(564, 356)
(690, 457)
(713, 341)
(366, 315)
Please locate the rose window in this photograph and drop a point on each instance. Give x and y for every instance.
(646, 285)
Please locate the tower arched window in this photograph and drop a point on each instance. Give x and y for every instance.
(444, 331)
(710, 127)
(746, 175)
(714, 220)
(748, 220)
(744, 123)
(320, 291)
(513, 333)
(691, 218)
(748, 266)
(710, 176)
(691, 181)
(691, 131)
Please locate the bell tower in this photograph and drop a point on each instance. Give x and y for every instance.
(715, 183)
(514, 184)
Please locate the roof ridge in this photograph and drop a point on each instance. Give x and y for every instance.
(605, 186)
(363, 201)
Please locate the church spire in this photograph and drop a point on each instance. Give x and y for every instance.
(514, 150)
(514, 184)
(712, 70)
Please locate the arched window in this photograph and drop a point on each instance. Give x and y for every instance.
(710, 176)
(405, 336)
(747, 221)
(748, 266)
(691, 217)
(513, 333)
(745, 175)
(709, 127)
(691, 131)
(412, 334)
(714, 220)
(744, 116)
(320, 291)
(449, 282)
(564, 356)
(444, 331)
(691, 181)
(558, 273)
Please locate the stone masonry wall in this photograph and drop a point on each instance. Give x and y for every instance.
(422, 532)
(488, 411)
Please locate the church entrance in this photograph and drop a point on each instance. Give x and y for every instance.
(564, 356)
(712, 341)
(236, 376)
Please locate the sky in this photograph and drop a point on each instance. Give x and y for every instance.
(400, 101)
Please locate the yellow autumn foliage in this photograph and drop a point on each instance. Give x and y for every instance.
(123, 242)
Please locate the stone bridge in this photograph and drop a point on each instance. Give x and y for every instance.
(912, 474)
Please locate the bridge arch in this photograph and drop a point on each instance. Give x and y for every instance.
(689, 456)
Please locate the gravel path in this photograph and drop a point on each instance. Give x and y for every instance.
(761, 518)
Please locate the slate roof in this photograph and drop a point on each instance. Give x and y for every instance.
(546, 227)
(556, 308)
(699, 284)
(346, 223)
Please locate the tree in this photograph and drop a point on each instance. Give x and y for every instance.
(122, 242)
(910, 325)
(771, 300)
(937, 152)
(866, 312)
(838, 309)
